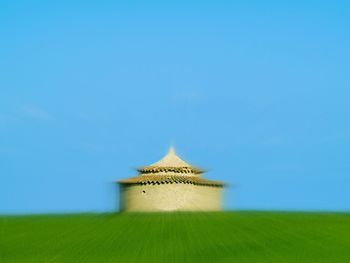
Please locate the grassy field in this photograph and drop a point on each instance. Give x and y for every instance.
(177, 237)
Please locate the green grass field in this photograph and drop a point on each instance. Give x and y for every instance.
(177, 237)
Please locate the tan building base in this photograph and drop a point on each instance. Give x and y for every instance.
(169, 197)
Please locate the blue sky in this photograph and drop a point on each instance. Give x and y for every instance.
(257, 92)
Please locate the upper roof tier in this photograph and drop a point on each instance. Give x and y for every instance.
(172, 163)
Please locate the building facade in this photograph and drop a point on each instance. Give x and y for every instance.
(170, 184)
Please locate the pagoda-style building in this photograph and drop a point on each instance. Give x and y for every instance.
(170, 184)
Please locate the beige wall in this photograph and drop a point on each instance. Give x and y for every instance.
(170, 197)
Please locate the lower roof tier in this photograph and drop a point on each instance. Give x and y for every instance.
(166, 179)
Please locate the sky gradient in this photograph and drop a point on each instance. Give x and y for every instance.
(256, 93)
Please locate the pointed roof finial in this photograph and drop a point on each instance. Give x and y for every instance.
(171, 150)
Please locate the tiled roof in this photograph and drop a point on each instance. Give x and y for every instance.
(170, 169)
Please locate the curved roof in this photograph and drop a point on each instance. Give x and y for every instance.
(170, 169)
(170, 162)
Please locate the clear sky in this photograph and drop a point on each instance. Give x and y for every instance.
(257, 92)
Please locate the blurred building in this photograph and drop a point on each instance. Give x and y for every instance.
(170, 184)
